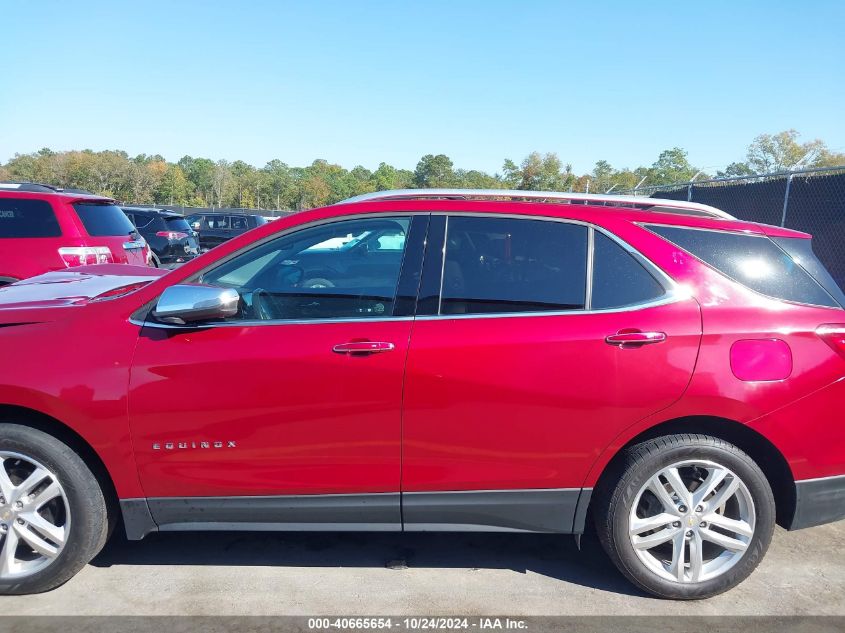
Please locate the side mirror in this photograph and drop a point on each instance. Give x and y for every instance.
(196, 226)
(189, 303)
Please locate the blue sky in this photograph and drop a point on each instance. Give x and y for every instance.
(363, 82)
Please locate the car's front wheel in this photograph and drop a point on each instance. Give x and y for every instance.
(53, 516)
(688, 516)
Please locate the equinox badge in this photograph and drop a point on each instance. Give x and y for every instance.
(171, 446)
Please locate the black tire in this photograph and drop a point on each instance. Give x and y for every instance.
(637, 465)
(89, 516)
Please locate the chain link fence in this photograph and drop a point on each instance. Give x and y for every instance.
(809, 200)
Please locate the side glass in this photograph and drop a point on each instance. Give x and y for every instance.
(619, 280)
(497, 265)
(337, 270)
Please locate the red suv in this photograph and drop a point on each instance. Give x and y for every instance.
(436, 360)
(43, 229)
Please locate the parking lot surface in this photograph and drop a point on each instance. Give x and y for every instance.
(418, 574)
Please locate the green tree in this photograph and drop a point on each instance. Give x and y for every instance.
(782, 152)
(173, 188)
(671, 166)
(539, 172)
(434, 171)
(388, 177)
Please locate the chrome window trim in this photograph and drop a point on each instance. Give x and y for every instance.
(254, 322)
(671, 294)
(672, 291)
(442, 266)
(664, 300)
(591, 245)
(197, 278)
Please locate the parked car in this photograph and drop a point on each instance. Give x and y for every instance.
(43, 228)
(171, 238)
(470, 360)
(216, 228)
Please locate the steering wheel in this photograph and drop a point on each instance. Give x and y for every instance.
(262, 305)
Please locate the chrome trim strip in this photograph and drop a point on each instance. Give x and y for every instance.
(229, 526)
(442, 266)
(474, 491)
(695, 208)
(672, 289)
(666, 299)
(591, 245)
(253, 323)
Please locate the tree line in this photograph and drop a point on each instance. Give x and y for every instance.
(203, 182)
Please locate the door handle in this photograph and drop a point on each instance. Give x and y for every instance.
(363, 347)
(635, 338)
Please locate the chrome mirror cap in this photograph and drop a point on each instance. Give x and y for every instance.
(189, 303)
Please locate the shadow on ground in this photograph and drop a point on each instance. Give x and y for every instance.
(554, 556)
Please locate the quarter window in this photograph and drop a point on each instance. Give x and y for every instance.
(753, 260)
(304, 276)
(495, 265)
(619, 280)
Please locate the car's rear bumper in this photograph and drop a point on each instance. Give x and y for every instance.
(818, 501)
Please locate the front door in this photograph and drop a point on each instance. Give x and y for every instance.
(298, 396)
(513, 386)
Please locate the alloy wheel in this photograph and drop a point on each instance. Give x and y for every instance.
(34, 516)
(692, 521)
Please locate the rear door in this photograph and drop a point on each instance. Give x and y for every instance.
(107, 225)
(536, 343)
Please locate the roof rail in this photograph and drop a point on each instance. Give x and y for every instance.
(38, 187)
(32, 187)
(649, 204)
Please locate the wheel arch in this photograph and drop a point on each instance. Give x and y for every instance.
(765, 454)
(51, 426)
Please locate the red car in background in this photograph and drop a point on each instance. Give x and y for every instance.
(44, 229)
(436, 360)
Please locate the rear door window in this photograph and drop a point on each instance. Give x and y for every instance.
(101, 220)
(27, 218)
(499, 265)
(752, 260)
(619, 280)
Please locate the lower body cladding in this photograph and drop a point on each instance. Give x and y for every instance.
(818, 501)
(561, 511)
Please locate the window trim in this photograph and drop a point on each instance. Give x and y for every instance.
(743, 233)
(142, 316)
(673, 293)
(671, 289)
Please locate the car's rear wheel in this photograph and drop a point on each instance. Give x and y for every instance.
(687, 517)
(53, 516)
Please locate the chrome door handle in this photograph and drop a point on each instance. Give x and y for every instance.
(363, 347)
(635, 339)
